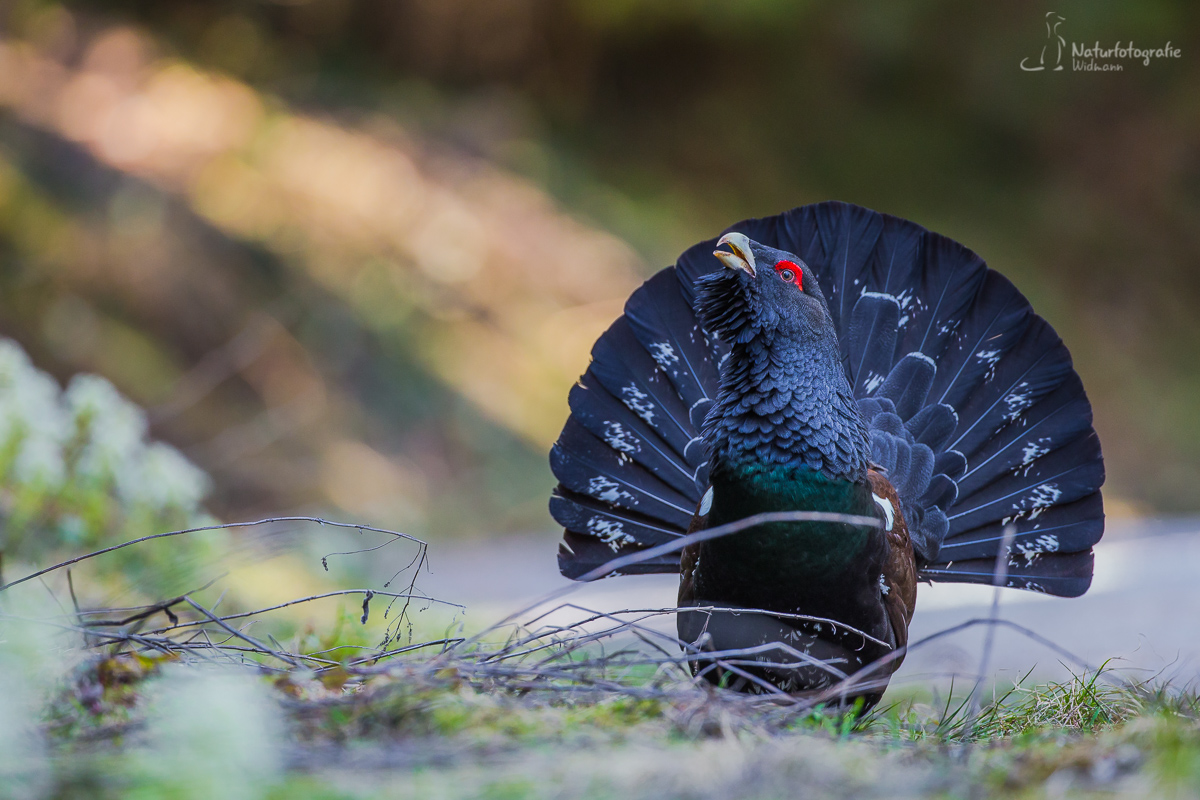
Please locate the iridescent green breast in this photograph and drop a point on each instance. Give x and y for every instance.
(781, 562)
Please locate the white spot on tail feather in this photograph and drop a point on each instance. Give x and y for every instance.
(1019, 399)
(1030, 453)
(706, 502)
(883, 587)
(664, 354)
(620, 439)
(989, 359)
(905, 299)
(638, 402)
(1043, 497)
(609, 491)
(873, 382)
(1046, 543)
(610, 531)
(1033, 504)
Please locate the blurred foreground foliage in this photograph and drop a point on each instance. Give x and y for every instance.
(78, 473)
(157, 729)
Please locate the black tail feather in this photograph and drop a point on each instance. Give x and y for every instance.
(847, 235)
(1062, 574)
(579, 555)
(1072, 527)
(665, 325)
(1061, 476)
(629, 436)
(907, 385)
(587, 465)
(1036, 365)
(984, 337)
(871, 338)
(627, 372)
(1060, 419)
(630, 460)
(609, 524)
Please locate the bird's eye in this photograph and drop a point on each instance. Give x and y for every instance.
(789, 272)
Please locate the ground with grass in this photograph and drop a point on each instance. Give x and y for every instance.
(136, 726)
(199, 697)
(245, 686)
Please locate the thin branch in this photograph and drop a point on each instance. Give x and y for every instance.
(675, 545)
(999, 580)
(223, 526)
(298, 601)
(284, 657)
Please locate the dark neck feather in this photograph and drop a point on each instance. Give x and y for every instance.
(784, 402)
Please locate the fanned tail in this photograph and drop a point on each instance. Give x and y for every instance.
(630, 460)
(973, 406)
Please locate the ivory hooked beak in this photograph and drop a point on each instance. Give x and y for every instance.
(741, 257)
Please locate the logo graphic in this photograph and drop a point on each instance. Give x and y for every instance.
(1053, 38)
(1090, 58)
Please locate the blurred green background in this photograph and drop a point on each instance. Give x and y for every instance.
(349, 255)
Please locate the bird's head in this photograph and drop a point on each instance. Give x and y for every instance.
(761, 292)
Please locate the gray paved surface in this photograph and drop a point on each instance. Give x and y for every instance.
(1143, 609)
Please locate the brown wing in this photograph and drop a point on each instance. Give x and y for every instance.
(900, 568)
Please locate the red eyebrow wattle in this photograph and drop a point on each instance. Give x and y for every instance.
(795, 268)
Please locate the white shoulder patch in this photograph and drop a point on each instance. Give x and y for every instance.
(889, 513)
(706, 503)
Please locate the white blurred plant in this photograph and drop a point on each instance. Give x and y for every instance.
(210, 734)
(77, 469)
(112, 434)
(25, 673)
(22, 765)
